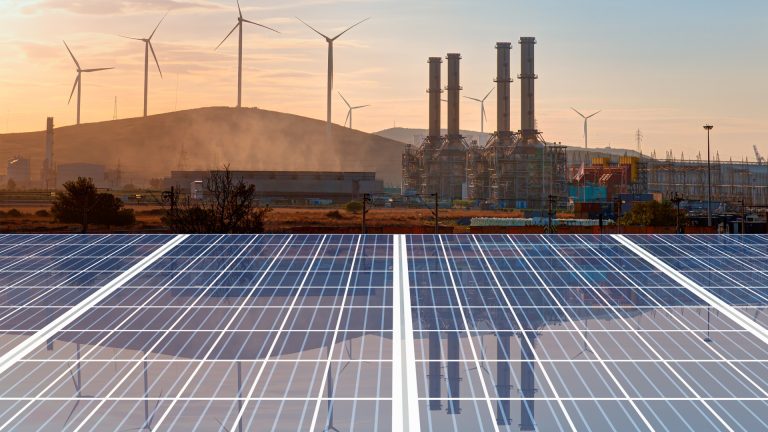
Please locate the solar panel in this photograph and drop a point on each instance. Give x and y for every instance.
(379, 332)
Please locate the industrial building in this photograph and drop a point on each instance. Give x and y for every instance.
(731, 181)
(19, 172)
(71, 171)
(512, 170)
(297, 187)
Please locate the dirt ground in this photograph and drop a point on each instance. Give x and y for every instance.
(148, 219)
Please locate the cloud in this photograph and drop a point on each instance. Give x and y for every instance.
(114, 7)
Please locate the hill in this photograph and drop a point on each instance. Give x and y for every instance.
(246, 138)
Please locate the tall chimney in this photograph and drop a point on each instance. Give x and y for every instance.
(454, 90)
(503, 81)
(48, 169)
(527, 80)
(435, 64)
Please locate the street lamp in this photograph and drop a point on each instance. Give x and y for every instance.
(709, 128)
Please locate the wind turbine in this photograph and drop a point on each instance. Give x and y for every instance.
(79, 80)
(483, 117)
(586, 120)
(330, 41)
(351, 108)
(239, 26)
(147, 48)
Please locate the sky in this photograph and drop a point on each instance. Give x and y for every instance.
(664, 67)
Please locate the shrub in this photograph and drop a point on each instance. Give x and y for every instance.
(82, 203)
(335, 214)
(354, 207)
(42, 213)
(13, 213)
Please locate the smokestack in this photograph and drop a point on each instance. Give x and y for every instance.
(527, 79)
(48, 161)
(454, 90)
(527, 383)
(503, 380)
(503, 81)
(435, 64)
(435, 376)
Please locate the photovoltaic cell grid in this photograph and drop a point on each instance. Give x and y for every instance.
(323, 332)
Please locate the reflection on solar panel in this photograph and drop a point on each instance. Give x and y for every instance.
(341, 333)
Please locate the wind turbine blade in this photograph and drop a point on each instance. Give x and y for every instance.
(485, 116)
(474, 99)
(131, 38)
(489, 93)
(228, 35)
(158, 25)
(77, 81)
(313, 29)
(349, 114)
(239, 11)
(345, 100)
(260, 25)
(595, 114)
(97, 69)
(73, 56)
(350, 28)
(155, 57)
(577, 112)
(361, 106)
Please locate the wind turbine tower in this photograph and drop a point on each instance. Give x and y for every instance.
(351, 108)
(330, 41)
(483, 117)
(586, 123)
(239, 27)
(79, 80)
(147, 48)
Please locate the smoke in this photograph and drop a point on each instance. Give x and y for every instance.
(246, 139)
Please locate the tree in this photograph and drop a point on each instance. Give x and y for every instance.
(652, 213)
(229, 206)
(354, 207)
(82, 203)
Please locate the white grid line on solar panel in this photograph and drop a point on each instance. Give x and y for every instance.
(51, 382)
(478, 367)
(675, 372)
(241, 410)
(166, 332)
(16, 292)
(759, 331)
(534, 354)
(587, 343)
(364, 398)
(378, 359)
(685, 325)
(32, 342)
(704, 270)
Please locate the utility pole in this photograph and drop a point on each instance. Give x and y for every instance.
(366, 200)
(551, 214)
(743, 216)
(677, 199)
(437, 213)
(709, 128)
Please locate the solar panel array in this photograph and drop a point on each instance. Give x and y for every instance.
(377, 332)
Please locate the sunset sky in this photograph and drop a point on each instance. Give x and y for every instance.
(665, 67)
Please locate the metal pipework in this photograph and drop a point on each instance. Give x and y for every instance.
(454, 94)
(503, 81)
(435, 92)
(527, 79)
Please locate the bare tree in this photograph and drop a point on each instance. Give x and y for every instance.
(228, 206)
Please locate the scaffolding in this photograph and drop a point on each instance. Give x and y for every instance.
(731, 181)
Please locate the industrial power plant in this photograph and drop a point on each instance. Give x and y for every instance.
(513, 169)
